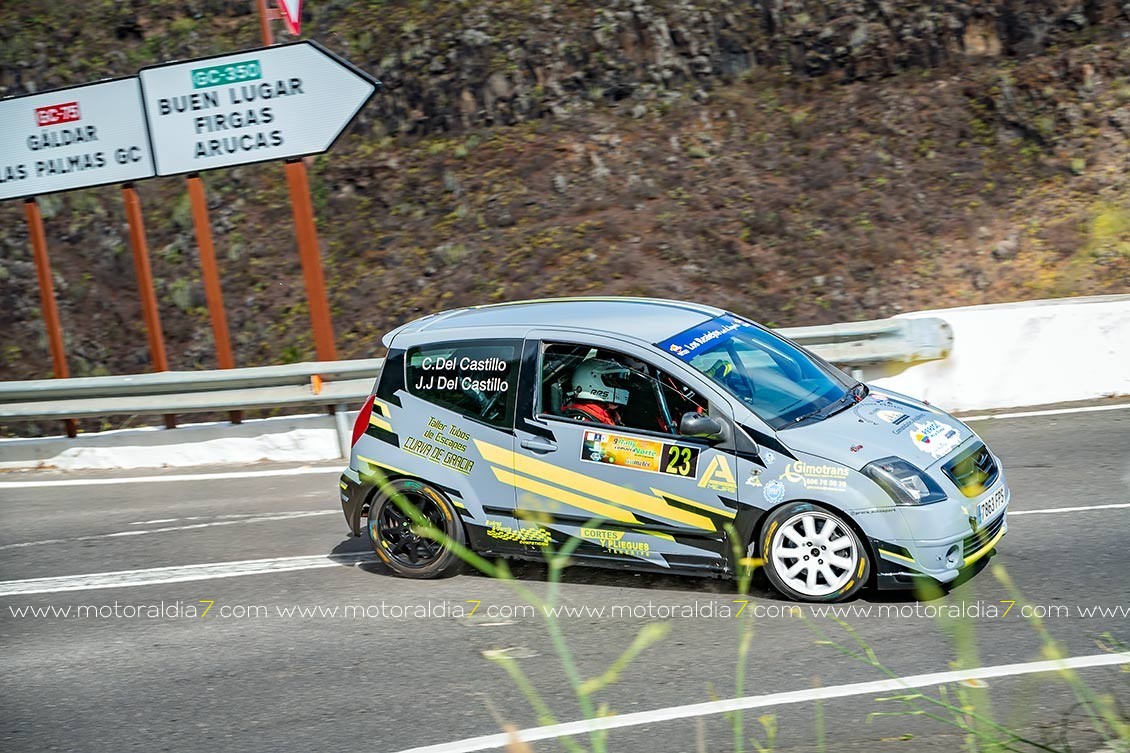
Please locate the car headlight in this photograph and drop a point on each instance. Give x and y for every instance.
(905, 484)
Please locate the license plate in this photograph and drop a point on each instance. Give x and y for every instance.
(989, 507)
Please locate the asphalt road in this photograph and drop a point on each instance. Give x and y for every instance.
(247, 676)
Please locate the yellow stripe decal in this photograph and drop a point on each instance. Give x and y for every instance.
(380, 422)
(985, 549)
(382, 408)
(564, 496)
(885, 553)
(342, 485)
(724, 512)
(657, 535)
(619, 495)
(386, 466)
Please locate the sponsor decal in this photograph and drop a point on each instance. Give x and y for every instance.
(613, 542)
(754, 479)
(532, 536)
(769, 457)
(817, 477)
(640, 454)
(904, 425)
(774, 492)
(719, 476)
(856, 447)
(882, 411)
(935, 438)
(443, 444)
(686, 344)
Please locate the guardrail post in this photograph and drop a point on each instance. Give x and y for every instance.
(344, 434)
(47, 298)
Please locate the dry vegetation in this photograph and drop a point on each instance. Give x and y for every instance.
(789, 177)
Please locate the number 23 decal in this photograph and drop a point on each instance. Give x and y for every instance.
(680, 461)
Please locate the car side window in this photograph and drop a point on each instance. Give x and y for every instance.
(477, 378)
(598, 385)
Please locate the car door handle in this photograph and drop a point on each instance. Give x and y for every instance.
(538, 444)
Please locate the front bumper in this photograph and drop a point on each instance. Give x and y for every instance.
(903, 563)
(353, 495)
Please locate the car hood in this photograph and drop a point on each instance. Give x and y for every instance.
(880, 426)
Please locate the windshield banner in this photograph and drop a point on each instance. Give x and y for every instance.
(686, 344)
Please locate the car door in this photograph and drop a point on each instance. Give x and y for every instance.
(637, 492)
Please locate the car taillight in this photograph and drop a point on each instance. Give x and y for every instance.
(362, 421)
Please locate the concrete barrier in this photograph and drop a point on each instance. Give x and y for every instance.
(282, 439)
(1022, 354)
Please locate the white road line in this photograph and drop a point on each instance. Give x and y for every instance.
(178, 574)
(1053, 510)
(167, 529)
(232, 516)
(552, 732)
(1049, 412)
(303, 471)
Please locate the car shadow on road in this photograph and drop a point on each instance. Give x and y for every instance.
(527, 571)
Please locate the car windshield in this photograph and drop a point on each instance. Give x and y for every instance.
(779, 382)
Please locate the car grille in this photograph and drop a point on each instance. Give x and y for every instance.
(973, 471)
(973, 543)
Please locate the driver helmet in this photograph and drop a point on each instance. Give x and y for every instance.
(604, 381)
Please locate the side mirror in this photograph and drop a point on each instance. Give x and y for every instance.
(700, 425)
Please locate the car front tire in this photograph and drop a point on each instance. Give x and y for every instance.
(812, 554)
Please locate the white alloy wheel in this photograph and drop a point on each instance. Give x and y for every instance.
(814, 553)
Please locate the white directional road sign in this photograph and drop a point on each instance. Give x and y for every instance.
(73, 138)
(265, 104)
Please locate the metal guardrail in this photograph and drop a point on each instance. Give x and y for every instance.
(343, 383)
(875, 342)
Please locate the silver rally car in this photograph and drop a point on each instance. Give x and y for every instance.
(664, 436)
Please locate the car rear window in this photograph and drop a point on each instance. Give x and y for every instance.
(476, 378)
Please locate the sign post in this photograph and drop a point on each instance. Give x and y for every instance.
(47, 298)
(211, 276)
(271, 103)
(149, 312)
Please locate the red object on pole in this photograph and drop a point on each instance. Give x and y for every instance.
(210, 273)
(311, 259)
(290, 11)
(47, 298)
(145, 284)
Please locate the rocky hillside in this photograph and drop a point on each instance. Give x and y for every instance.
(794, 160)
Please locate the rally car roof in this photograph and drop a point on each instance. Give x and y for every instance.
(647, 319)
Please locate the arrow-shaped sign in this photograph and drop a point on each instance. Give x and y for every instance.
(264, 104)
(291, 11)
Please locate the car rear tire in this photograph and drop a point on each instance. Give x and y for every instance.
(812, 554)
(400, 542)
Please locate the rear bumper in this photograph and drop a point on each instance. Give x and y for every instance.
(353, 494)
